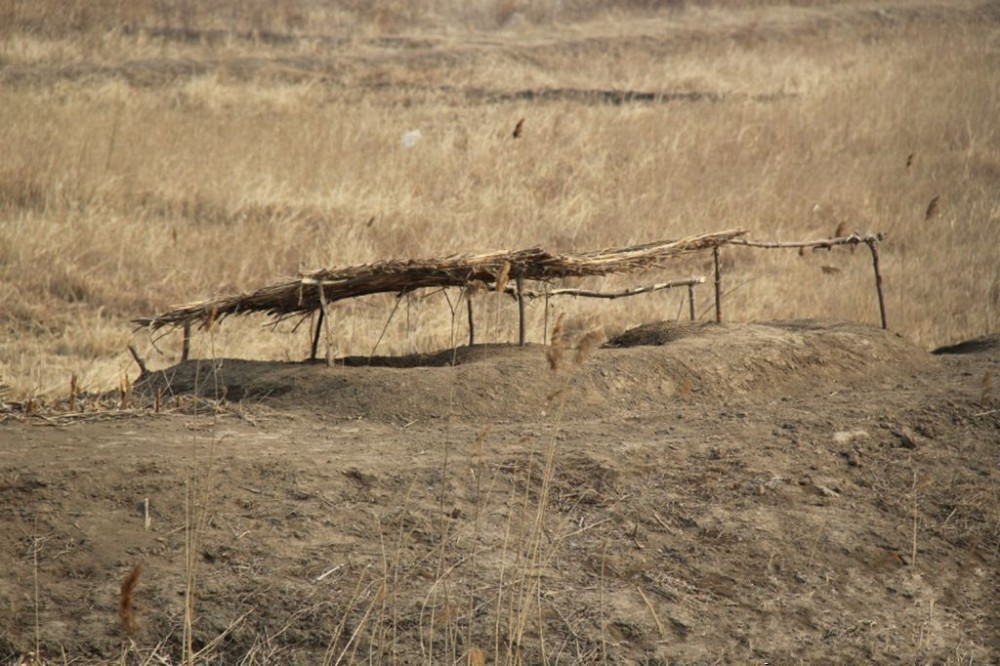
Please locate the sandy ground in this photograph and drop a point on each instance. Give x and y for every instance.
(766, 493)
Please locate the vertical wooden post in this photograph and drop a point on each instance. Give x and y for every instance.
(691, 300)
(316, 333)
(545, 329)
(186, 342)
(873, 246)
(472, 324)
(326, 315)
(718, 286)
(519, 282)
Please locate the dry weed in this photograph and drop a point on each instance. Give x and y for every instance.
(557, 346)
(126, 602)
(586, 345)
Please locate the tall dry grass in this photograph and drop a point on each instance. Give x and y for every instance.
(142, 168)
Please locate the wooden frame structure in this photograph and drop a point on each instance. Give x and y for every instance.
(315, 291)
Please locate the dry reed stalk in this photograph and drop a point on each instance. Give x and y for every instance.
(557, 347)
(652, 611)
(476, 657)
(587, 344)
(503, 277)
(125, 392)
(126, 602)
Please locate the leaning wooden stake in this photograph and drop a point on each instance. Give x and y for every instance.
(138, 361)
(873, 246)
(521, 335)
(315, 341)
(718, 286)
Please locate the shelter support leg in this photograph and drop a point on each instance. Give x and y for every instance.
(718, 286)
(873, 246)
(472, 323)
(691, 301)
(316, 334)
(519, 282)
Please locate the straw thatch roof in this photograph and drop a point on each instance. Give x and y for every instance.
(301, 296)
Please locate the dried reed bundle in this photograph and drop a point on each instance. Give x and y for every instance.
(301, 296)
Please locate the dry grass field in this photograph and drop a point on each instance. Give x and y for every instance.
(156, 157)
(757, 493)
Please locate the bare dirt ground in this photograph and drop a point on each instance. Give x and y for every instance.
(759, 493)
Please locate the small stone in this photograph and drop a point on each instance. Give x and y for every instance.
(907, 438)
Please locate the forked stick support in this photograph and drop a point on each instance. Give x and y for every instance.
(873, 246)
(871, 240)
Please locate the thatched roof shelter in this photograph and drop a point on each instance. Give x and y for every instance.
(306, 293)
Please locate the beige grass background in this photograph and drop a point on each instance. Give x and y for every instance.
(154, 154)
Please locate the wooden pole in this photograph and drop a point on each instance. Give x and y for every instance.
(472, 324)
(545, 329)
(186, 342)
(315, 342)
(519, 282)
(143, 370)
(823, 244)
(326, 331)
(873, 246)
(691, 300)
(610, 295)
(718, 286)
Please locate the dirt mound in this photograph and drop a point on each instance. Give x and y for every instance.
(983, 344)
(796, 492)
(641, 370)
